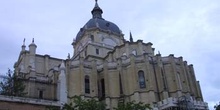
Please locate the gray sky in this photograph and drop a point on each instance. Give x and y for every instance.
(188, 28)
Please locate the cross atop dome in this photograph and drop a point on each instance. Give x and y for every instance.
(97, 11)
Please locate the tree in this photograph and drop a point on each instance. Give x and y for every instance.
(132, 106)
(79, 104)
(12, 85)
(91, 104)
(217, 106)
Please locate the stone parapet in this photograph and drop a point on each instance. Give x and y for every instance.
(4, 98)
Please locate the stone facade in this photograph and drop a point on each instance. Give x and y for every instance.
(40, 73)
(109, 68)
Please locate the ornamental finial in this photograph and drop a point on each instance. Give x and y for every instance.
(33, 40)
(97, 11)
(24, 41)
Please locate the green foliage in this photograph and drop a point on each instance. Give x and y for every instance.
(79, 104)
(217, 106)
(132, 106)
(12, 85)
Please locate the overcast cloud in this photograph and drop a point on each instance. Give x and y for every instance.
(188, 28)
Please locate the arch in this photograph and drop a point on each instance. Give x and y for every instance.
(87, 84)
(141, 79)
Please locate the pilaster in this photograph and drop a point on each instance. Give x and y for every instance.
(62, 87)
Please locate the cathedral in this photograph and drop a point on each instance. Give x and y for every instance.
(111, 69)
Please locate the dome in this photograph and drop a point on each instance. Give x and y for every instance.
(98, 22)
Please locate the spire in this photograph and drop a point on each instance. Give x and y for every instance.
(23, 46)
(97, 11)
(24, 42)
(32, 43)
(131, 38)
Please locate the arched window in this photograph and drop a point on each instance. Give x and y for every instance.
(92, 38)
(179, 81)
(87, 84)
(109, 41)
(141, 79)
(120, 84)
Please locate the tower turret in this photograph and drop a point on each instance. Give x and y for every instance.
(32, 47)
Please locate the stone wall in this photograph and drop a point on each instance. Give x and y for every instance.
(21, 103)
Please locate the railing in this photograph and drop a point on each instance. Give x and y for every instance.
(182, 102)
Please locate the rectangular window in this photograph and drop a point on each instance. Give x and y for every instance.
(103, 87)
(85, 53)
(97, 51)
(87, 86)
(41, 94)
